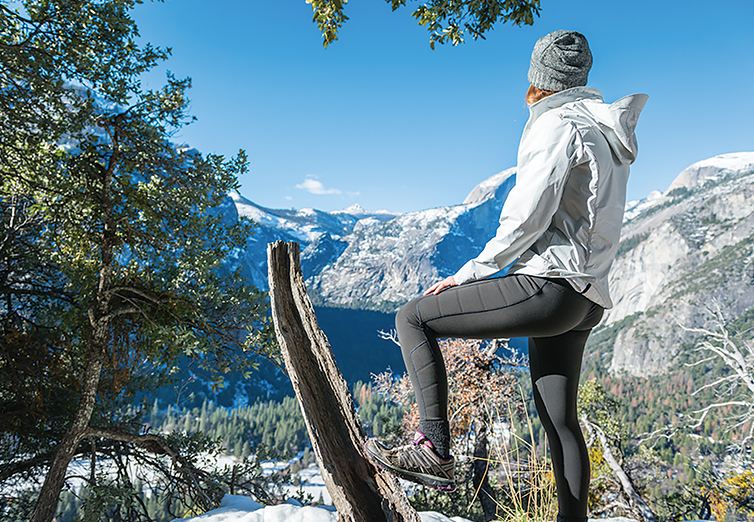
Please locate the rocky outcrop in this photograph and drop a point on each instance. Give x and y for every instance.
(318, 232)
(388, 263)
(691, 247)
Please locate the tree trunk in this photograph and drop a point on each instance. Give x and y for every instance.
(360, 491)
(47, 502)
(479, 469)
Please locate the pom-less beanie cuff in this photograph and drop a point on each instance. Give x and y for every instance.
(560, 60)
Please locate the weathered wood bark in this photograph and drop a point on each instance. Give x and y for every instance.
(360, 491)
(620, 473)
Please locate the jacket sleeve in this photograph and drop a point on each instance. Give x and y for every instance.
(544, 162)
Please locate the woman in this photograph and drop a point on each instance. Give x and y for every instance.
(560, 227)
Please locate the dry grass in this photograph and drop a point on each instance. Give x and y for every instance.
(525, 476)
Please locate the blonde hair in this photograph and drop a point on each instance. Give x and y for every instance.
(534, 94)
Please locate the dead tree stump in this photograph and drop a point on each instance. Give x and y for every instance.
(360, 491)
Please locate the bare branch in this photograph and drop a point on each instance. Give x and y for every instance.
(612, 505)
(666, 432)
(391, 335)
(713, 384)
(738, 391)
(702, 361)
(24, 466)
(158, 445)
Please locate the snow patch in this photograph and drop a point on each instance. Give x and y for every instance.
(235, 508)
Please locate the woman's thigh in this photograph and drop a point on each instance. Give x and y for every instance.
(511, 306)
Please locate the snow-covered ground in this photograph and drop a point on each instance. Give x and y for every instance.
(234, 508)
(243, 509)
(311, 483)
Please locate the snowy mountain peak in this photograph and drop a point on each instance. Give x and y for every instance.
(354, 210)
(711, 169)
(359, 212)
(634, 208)
(487, 188)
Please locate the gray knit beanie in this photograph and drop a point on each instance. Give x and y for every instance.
(560, 60)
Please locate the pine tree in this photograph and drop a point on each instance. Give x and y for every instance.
(112, 238)
(203, 417)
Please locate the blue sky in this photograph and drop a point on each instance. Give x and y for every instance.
(381, 120)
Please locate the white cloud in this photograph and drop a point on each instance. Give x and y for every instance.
(314, 186)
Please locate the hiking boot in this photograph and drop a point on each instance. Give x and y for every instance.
(417, 462)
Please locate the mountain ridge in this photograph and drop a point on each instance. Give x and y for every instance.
(696, 231)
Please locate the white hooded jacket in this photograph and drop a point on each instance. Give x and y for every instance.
(563, 218)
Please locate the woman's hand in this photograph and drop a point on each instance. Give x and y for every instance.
(441, 285)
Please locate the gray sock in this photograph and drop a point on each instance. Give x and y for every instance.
(438, 432)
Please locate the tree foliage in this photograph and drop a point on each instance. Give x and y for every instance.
(113, 239)
(446, 20)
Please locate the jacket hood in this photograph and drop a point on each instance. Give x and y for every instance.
(617, 121)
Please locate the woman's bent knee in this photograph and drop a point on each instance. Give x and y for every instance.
(408, 315)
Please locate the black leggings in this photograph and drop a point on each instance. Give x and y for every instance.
(556, 319)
